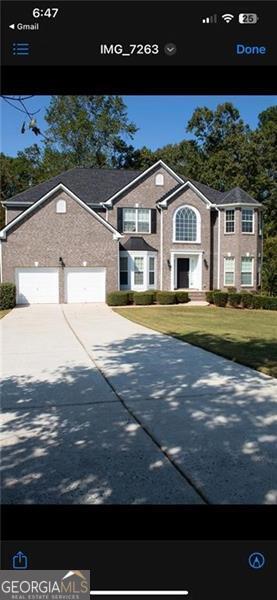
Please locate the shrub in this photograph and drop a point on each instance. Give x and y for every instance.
(270, 302)
(118, 298)
(7, 295)
(131, 297)
(265, 302)
(182, 297)
(220, 298)
(166, 297)
(210, 297)
(258, 301)
(234, 299)
(247, 300)
(154, 292)
(231, 290)
(143, 297)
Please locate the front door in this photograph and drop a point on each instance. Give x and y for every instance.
(182, 273)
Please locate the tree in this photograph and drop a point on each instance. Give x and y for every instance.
(265, 151)
(269, 272)
(89, 129)
(17, 174)
(214, 130)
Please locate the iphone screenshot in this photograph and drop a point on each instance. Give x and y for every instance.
(138, 299)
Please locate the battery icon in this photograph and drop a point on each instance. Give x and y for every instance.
(248, 18)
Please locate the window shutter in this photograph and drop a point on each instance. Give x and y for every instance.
(153, 220)
(120, 220)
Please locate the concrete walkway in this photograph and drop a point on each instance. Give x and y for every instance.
(161, 422)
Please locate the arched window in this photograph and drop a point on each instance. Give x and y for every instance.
(61, 206)
(159, 179)
(187, 225)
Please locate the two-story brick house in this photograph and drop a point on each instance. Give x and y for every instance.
(87, 232)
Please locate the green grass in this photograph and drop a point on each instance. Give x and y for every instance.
(3, 313)
(244, 336)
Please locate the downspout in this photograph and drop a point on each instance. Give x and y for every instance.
(260, 217)
(161, 251)
(218, 246)
(1, 263)
(118, 266)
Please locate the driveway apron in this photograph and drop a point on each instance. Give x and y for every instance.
(66, 435)
(215, 419)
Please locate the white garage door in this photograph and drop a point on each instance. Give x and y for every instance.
(37, 286)
(85, 285)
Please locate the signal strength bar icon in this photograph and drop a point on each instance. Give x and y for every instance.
(211, 19)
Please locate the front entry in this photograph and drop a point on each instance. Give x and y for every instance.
(182, 273)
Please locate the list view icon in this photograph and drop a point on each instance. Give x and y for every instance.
(21, 49)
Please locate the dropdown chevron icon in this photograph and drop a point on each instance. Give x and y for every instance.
(170, 49)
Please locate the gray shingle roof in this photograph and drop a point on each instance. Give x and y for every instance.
(97, 185)
(138, 244)
(213, 195)
(90, 185)
(236, 196)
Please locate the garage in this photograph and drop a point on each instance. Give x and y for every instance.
(37, 285)
(85, 284)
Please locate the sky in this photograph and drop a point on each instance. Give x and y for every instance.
(161, 119)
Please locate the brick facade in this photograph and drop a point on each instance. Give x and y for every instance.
(78, 236)
(238, 245)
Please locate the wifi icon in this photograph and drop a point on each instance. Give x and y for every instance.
(227, 17)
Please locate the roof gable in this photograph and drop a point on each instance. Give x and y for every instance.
(60, 187)
(187, 184)
(143, 174)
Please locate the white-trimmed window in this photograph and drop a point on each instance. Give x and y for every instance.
(229, 271)
(247, 271)
(247, 220)
(187, 225)
(136, 220)
(230, 221)
(159, 179)
(138, 270)
(61, 206)
(124, 270)
(151, 272)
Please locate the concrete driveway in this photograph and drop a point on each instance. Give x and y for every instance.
(100, 410)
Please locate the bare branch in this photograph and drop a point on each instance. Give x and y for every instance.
(18, 103)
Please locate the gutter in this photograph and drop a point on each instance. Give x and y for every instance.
(161, 250)
(218, 246)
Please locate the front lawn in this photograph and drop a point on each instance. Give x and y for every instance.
(3, 313)
(244, 336)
